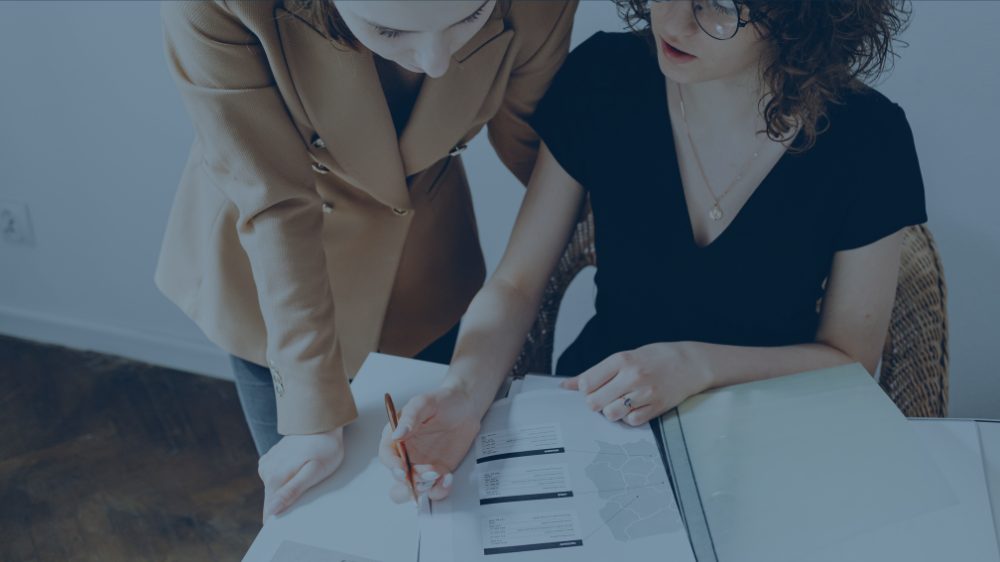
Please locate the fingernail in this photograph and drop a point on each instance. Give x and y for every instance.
(424, 486)
(562, 384)
(430, 476)
(447, 480)
(399, 475)
(401, 430)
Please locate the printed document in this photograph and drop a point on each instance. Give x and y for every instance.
(547, 479)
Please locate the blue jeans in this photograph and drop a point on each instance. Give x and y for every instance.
(260, 407)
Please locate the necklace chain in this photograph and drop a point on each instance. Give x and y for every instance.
(715, 213)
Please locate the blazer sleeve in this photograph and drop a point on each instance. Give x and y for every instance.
(515, 142)
(255, 155)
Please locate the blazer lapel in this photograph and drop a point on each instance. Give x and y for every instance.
(342, 96)
(447, 106)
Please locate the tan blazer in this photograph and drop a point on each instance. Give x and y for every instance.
(305, 234)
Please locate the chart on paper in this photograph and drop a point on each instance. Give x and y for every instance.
(632, 479)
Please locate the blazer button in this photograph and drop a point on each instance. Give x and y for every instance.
(458, 150)
(327, 208)
(318, 142)
(279, 388)
(400, 212)
(320, 169)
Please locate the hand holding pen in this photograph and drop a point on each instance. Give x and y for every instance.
(435, 430)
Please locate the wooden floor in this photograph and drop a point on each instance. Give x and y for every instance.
(103, 459)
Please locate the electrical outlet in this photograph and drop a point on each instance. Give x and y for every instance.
(15, 226)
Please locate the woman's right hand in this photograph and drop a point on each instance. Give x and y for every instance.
(438, 428)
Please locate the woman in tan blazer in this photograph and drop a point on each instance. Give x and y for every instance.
(324, 212)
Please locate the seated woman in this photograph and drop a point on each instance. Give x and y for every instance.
(748, 193)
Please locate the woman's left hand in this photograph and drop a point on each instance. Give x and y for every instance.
(652, 379)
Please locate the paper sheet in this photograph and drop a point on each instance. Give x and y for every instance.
(351, 512)
(291, 551)
(963, 531)
(540, 382)
(811, 460)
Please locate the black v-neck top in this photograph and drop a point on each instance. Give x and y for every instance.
(605, 120)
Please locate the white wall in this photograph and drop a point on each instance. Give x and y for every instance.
(93, 136)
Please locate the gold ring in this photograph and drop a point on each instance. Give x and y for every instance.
(627, 402)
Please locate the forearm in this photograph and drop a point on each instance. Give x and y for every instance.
(725, 365)
(491, 337)
(499, 318)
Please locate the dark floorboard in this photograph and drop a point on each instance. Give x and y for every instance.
(105, 459)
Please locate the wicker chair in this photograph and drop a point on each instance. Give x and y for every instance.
(915, 357)
(914, 360)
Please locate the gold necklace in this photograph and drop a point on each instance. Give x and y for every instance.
(716, 212)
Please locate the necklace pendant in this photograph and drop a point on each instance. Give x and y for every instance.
(715, 213)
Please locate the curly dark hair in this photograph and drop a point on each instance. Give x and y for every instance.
(323, 15)
(817, 52)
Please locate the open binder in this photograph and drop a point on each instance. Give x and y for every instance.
(822, 466)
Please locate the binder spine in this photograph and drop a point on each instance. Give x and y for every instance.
(674, 448)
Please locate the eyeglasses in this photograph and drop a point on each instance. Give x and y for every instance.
(720, 19)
